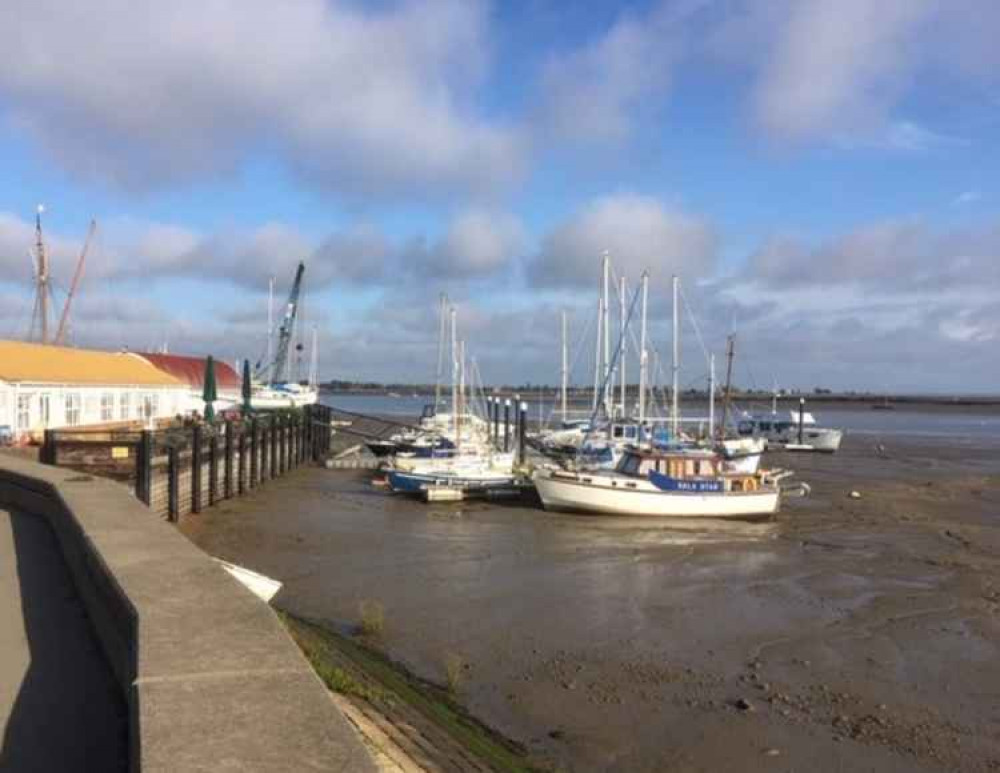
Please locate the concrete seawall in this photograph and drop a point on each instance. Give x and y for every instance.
(211, 678)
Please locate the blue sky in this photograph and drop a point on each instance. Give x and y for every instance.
(820, 173)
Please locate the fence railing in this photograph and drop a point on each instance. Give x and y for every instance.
(181, 470)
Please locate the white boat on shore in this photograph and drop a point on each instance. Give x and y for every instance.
(798, 432)
(653, 483)
(266, 397)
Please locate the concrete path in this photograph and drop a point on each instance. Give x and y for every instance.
(60, 707)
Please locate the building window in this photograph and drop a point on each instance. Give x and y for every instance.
(150, 405)
(107, 406)
(125, 406)
(24, 412)
(44, 409)
(72, 409)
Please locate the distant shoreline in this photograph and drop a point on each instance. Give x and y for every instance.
(869, 400)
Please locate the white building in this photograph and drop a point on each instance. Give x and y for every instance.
(51, 387)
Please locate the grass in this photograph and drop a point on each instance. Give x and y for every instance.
(349, 667)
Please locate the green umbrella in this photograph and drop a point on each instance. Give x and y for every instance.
(246, 386)
(208, 393)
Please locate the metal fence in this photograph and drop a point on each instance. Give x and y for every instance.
(181, 470)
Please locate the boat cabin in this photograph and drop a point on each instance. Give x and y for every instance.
(690, 471)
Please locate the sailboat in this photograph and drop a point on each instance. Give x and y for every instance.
(272, 388)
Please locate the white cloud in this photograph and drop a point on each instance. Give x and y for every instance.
(966, 197)
(358, 101)
(639, 232)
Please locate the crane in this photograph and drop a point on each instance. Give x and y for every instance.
(280, 364)
(60, 338)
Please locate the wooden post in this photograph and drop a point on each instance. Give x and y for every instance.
(47, 455)
(196, 469)
(274, 447)
(228, 483)
(144, 467)
(242, 472)
(252, 478)
(264, 446)
(213, 469)
(173, 474)
(282, 446)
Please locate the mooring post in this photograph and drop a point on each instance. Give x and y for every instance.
(228, 482)
(802, 412)
(196, 469)
(496, 421)
(173, 475)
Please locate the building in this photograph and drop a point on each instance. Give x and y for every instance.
(51, 387)
(191, 371)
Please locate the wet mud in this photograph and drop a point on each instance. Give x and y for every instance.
(846, 634)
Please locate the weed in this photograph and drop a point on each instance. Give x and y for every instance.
(372, 618)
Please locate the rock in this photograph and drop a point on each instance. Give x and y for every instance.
(743, 704)
(855, 495)
(772, 752)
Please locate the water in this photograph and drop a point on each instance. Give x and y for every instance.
(921, 423)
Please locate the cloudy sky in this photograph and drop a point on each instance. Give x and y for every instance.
(821, 174)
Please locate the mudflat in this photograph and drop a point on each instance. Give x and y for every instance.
(846, 634)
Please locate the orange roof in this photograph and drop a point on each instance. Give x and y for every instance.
(38, 364)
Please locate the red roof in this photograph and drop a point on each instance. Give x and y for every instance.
(191, 370)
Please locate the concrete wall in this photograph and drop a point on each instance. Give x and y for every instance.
(212, 679)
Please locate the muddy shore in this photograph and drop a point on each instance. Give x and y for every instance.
(847, 634)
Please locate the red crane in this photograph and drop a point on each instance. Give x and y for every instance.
(60, 338)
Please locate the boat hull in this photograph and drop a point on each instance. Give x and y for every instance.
(415, 483)
(573, 494)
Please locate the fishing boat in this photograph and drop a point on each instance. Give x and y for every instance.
(660, 483)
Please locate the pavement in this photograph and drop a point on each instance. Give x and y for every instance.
(60, 706)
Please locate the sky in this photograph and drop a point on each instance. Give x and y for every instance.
(820, 174)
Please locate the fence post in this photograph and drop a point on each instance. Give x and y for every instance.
(196, 469)
(252, 477)
(48, 452)
(228, 483)
(282, 445)
(242, 471)
(144, 467)
(173, 474)
(213, 468)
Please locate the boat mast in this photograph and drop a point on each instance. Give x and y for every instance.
(454, 376)
(314, 360)
(675, 363)
(624, 345)
(281, 362)
(605, 297)
(565, 365)
(461, 385)
(730, 347)
(643, 354)
(41, 279)
(711, 396)
(597, 340)
(442, 322)
(270, 323)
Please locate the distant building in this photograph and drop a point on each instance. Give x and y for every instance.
(191, 371)
(51, 387)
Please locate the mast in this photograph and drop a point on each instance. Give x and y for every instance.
(605, 309)
(624, 345)
(77, 276)
(270, 322)
(314, 360)
(442, 322)
(643, 353)
(711, 396)
(730, 346)
(597, 340)
(454, 377)
(42, 278)
(565, 365)
(675, 363)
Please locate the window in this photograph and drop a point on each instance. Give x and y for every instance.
(24, 412)
(150, 405)
(125, 406)
(73, 409)
(44, 409)
(107, 406)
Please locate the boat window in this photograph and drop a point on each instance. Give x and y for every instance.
(630, 432)
(629, 464)
(616, 432)
(745, 428)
